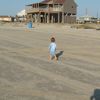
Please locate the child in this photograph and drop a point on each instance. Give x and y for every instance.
(52, 49)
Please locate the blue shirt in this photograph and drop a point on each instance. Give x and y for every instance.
(52, 48)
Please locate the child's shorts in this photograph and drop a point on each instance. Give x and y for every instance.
(52, 53)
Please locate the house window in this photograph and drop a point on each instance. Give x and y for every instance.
(69, 14)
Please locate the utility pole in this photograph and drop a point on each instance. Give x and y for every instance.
(86, 12)
(97, 15)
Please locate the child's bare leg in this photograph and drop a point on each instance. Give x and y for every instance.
(49, 57)
(55, 58)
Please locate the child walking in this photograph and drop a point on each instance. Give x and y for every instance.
(52, 49)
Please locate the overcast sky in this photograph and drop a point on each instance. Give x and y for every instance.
(12, 7)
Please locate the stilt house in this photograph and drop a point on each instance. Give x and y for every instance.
(52, 11)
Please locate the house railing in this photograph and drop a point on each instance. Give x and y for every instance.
(50, 9)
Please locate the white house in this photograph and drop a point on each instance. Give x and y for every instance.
(84, 19)
(6, 18)
(21, 15)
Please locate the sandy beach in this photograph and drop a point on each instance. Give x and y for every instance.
(27, 74)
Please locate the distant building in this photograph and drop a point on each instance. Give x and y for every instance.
(52, 11)
(21, 13)
(6, 18)
(87, 19)
(21, 16)
(98, 20)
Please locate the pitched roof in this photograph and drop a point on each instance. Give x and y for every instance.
(21, 13)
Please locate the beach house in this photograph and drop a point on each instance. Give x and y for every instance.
(6, 18)
(21, 16)
(52, 11)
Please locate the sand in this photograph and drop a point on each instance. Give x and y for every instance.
(27, 74)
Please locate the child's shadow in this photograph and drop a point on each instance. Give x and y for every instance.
(59, 54)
